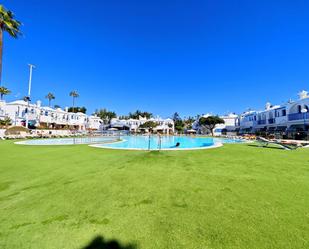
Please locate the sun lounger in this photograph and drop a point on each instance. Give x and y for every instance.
(283, 144)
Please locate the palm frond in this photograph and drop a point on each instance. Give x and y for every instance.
(8, 23)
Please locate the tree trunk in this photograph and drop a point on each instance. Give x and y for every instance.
(1, 47)
(73, 103)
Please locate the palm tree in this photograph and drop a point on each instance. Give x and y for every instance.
(4, 91)
(11, 26)
(74, 94)
(50, 97)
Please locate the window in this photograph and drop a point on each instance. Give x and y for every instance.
(284, 112)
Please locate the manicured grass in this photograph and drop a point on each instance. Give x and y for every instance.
(236, 196)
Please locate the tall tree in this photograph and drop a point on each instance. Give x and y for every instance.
(176, 117)
(179, 124)
(4, 91)
(74, 94)
(50, 97)
(105, 115)
(138, 113)
(210, 122)
(188, 122)
(9, 25)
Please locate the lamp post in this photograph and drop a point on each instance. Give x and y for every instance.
(304, 111)
(29, 92)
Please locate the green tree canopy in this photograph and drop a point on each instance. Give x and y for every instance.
(4, 91)
(105, 115)
(148, 125)
(9, 25)
(138, 113)
(74, 94)
(179, 125)
(50, 96)
(210, 122)
(77, 109)
(5, 122)
(188, 122)
(178, 122)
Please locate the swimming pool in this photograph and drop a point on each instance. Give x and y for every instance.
(153, 142)
(166, 143)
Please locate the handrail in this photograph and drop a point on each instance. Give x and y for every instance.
(159, 143)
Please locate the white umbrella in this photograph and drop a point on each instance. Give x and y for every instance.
(113, 129)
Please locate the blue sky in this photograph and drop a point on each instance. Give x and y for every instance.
(160, 56)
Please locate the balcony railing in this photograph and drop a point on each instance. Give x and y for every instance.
(271, 121)
(261, 122)
(298, 116)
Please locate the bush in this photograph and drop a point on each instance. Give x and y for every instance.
(5, 122)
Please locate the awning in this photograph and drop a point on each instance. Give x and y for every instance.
(119, 126)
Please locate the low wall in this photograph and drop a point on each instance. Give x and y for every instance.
(2, 132)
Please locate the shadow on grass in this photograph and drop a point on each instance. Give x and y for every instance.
(99, 243)
(267, 147)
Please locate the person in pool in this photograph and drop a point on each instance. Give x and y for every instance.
(177, 145)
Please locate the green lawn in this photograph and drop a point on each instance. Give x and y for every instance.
(236, 196)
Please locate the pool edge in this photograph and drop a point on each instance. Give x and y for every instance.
(216, 145)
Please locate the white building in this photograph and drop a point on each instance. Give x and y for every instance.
(229, 126)
(94, 123)
(292, 116)
(163, 125)
(42, 116)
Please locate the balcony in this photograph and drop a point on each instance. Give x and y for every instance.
(261, 122)
(271, 121)
(298, 116)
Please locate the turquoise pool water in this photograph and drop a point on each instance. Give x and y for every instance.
(69, 141)
(166, 142)
(138, 142)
